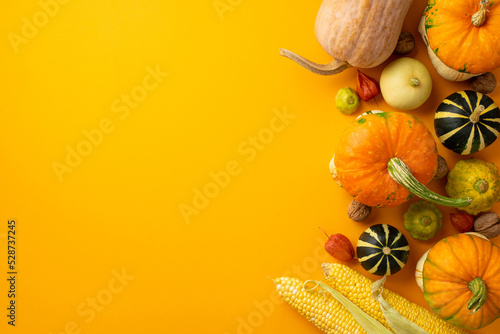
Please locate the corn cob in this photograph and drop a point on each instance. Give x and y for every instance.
(357, 288)
(320, 308)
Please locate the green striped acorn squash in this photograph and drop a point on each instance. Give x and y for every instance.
(467, 122)
(382, 250)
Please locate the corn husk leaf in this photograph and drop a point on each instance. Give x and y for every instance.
(369, 324)
(398, 323)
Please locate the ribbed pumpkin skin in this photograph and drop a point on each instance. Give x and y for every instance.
(370, 250)
(363, 33)
(457, 132)
(458, 43)
(367, 145)
(450, 265)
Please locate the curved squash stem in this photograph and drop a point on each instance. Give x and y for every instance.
(474, 118)
(478, 288)
(400, 172)
(479, 17)
(335, 67)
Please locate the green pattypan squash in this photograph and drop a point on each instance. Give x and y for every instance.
(347, 100)
(423, 220)
(476, 179)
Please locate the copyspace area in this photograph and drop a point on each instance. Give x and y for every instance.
(161, 162)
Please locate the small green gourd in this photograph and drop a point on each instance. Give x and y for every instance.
(476, 179)
(423, 220)
(347, 100)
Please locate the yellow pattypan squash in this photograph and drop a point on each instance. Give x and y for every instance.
(477, 180)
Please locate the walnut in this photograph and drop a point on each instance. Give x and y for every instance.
(484, 83)
(442, 168)
(358, 211)
(488, 225)
(406, 43)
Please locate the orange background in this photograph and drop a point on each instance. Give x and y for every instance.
(162, 101)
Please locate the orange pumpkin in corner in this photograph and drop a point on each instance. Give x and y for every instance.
(461, 280)
(464, 34)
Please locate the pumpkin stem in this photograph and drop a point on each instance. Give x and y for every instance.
(478, 288)
(474, 117)
(479, 17)
(414, 82)
(334, 67)
(401, 173)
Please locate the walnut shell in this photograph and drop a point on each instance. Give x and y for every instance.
(406, 43)
(488, 224)
(442, 168)
(484, 83)
(358, 211)
(492, 232)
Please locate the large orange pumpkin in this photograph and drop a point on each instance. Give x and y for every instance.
(461, 280)
(383, 157)
(464, 34)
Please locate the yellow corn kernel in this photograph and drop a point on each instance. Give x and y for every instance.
(317, 306)
(341, 278)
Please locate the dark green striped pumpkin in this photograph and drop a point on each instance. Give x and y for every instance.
(382, 250)
(467, 122)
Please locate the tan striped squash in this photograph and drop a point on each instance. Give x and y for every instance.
(362, 34)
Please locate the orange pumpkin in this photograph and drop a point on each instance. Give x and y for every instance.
(384, 157)
(463, 34)
(461, 280)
